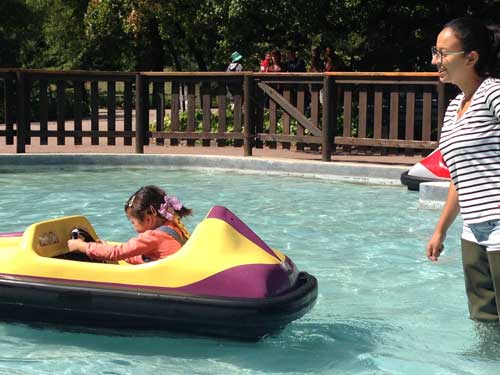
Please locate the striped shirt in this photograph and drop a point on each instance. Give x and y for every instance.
(471, 149)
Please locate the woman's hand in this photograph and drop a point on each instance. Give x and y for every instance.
(435, 246)
(76, 245)
(450, 211)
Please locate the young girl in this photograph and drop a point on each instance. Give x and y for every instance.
(156, 216)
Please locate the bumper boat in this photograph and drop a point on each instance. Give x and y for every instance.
(430, 169)
(225, 281)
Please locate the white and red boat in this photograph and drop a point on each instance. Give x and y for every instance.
(430, 169)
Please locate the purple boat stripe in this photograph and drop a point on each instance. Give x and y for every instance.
(247, 281)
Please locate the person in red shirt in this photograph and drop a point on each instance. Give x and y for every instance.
(264, 64)
(156, 216)
(275, 65)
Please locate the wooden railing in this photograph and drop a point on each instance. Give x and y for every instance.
(26, 88)
(401, 111)
(287, 98)
(200, 89)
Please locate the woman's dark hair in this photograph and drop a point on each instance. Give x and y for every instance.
(276, 53)
(148, 199)
(316, 62)
(485, 40)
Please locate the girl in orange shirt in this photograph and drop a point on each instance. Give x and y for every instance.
(156, 216)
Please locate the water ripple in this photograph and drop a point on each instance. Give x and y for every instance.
(381, 304)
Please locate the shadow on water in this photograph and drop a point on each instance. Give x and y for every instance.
(300, 348)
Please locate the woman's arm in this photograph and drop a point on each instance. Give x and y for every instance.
(448, 215)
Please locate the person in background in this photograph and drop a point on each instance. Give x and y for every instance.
(276, 65)
(264, 64)
(235, 65)
(467, 54)
(294, 63)
(332, 62)
(157, 217)
(316, 64)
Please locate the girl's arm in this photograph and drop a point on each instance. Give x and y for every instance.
(448, 215)
(135, 247)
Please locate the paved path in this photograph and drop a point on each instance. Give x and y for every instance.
(266, 153)
(87, 148)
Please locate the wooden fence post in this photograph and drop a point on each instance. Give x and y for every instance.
(139, 114)
(21, 113)
(61, 111)
(258, 121)
(248, 119)
(9, 108)
(94, 114)
(111, 106)
(329, 118)
(441, 107)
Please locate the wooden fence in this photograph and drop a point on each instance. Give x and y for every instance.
(402, 111)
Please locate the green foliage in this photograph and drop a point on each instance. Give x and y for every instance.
(64, 34)
(198, 121)
(17, 33)
(108, 45)
(214, 122)
(51, 94)
(369, 35)
(69, 103)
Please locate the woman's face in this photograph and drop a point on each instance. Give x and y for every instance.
(451, 68)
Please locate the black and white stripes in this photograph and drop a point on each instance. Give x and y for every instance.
(471, 149)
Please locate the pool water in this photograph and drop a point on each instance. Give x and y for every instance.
(382, 308)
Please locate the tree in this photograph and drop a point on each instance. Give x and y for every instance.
(63, 34)
(369, 35)
(108, 44)
(16, 32)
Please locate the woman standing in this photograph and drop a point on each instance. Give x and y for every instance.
(276, 65)
(467, 55)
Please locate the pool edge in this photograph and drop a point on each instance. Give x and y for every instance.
(345, 171)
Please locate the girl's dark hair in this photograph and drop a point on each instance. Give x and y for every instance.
(485, 40)
(147, 200)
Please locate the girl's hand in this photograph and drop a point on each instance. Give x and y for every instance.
(76, 245)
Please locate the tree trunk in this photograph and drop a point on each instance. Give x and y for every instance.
(198, 55)
(174, 55)
(150, 45)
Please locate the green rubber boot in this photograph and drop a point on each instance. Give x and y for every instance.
(494, 261)
(479, 283)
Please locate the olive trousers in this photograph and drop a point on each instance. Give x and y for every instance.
(482, 281)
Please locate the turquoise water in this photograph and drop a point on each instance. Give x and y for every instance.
(382, 307)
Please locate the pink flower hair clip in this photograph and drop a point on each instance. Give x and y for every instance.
(171, 205)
